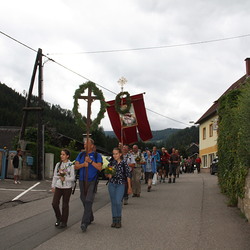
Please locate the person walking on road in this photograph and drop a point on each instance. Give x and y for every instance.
(17, 164)
(150, 168)
(164, 164)
(136, 174)
(116, 186)
(63, 178)
(198, 164)
(157, 157)
(174, 162)
(89, 163)
(129, 159)
(179, 164)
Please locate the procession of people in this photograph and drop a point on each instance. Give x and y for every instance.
(128, 169)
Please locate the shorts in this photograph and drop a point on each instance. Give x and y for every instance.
(173, 169)
(17, 171)
(149, 175)
(165, 166)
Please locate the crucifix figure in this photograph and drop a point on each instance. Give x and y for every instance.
(122, 81)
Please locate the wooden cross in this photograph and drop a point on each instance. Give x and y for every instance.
(89, 99)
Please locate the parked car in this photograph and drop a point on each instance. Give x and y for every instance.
(214, 166)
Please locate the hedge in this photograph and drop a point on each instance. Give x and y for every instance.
(234, 142)
(32, 148)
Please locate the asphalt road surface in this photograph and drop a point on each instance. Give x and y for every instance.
(190, 214)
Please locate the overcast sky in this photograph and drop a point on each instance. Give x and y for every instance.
(180, 82)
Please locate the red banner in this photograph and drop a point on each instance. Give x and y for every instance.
(125, 126)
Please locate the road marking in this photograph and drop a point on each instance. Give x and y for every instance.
(17, 197)
(21, 189)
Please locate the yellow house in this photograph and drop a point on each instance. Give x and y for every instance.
(208, 129)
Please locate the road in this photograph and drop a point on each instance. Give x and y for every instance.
(190, 214)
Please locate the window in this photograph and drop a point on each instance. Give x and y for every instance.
(204, 133)
(211, 129)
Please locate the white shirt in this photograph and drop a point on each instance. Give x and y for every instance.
(69, 168)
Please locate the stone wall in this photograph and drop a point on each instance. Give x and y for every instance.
(244, 204)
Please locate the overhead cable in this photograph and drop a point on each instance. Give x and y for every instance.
(74, 72)
(152, 47)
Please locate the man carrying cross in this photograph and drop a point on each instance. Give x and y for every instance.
(88, 164)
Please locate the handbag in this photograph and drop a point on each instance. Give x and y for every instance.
(154, 181)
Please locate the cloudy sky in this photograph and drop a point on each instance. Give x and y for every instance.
(181, 79)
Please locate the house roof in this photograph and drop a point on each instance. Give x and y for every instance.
(213, 109)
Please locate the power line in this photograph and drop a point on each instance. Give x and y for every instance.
(166, 117)
(18, 41)
(74, 72)
(152, 47)
(63, 66)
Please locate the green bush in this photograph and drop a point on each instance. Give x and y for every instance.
(233, 142)
(32, 148)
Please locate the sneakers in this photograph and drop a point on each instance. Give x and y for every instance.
(57, 224)
(15, 182)
(18, 182)
(125, 201)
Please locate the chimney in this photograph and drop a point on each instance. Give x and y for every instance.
(247, 67)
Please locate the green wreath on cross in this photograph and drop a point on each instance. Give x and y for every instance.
(78, 117)
(118, 106)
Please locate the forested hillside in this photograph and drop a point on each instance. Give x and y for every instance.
(62, 121)
(11, 113)
(56, 119)
(183, 138)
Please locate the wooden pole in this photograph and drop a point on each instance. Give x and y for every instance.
(25, 115)
(39, 109)
(87, 138)
(40, 127)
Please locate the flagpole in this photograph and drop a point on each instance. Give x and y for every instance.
(122, 81)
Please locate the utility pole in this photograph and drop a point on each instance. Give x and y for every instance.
(40, 128)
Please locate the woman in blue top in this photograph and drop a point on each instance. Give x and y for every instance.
(150, 168)
(116, 185)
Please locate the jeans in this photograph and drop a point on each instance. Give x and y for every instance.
(116, 192)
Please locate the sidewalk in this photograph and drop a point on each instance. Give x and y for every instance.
(190, 214)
